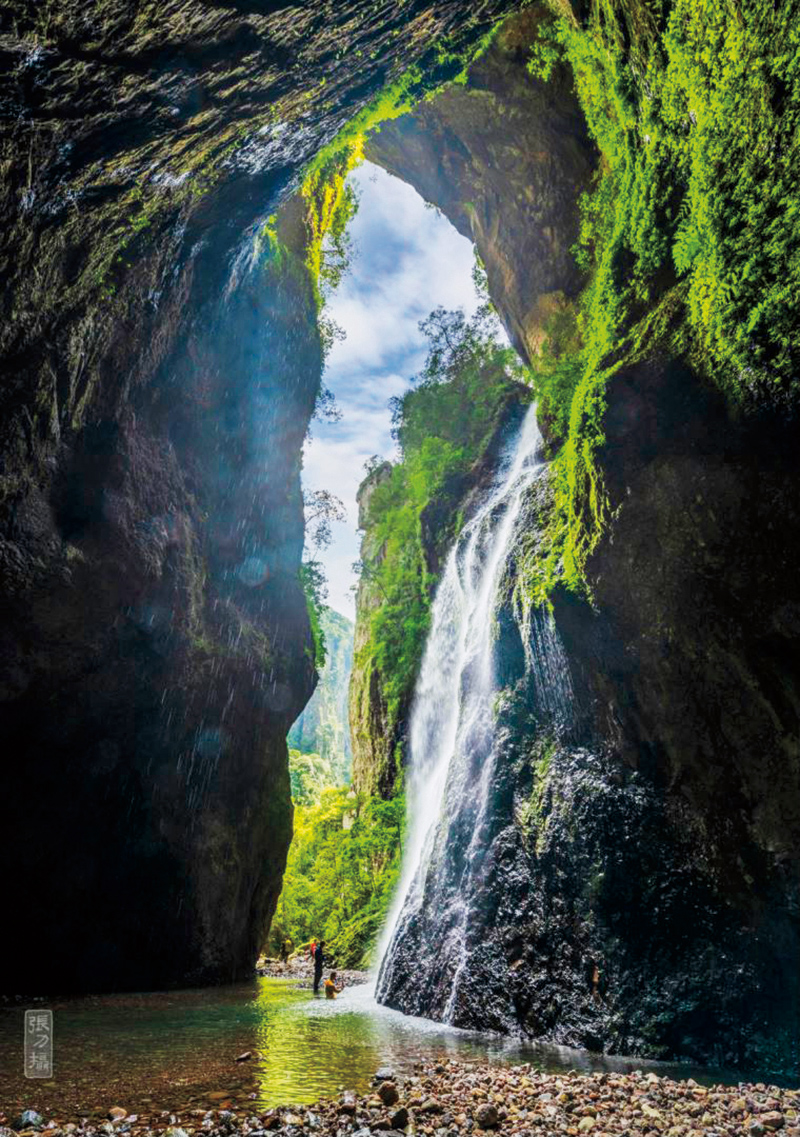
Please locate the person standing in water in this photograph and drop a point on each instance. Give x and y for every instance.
(332, 989)
(319, 960)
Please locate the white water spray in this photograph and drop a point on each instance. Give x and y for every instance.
(452, 715)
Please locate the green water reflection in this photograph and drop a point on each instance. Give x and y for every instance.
(177, 1050)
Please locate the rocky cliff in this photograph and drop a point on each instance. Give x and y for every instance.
(323, 727)
(506, 157)
(632, 885)
(638, 880)
(637, 884)
(159, 368)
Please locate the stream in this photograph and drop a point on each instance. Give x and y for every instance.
(177, 1050)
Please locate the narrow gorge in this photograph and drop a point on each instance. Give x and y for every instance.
(576, 655)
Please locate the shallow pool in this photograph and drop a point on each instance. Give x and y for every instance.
(177, 1050)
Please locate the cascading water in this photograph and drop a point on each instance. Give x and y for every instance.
(454, 741)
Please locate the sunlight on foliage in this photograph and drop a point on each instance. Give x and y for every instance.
(315, 588)
(341, 871)
(443, 426)
(689, 238)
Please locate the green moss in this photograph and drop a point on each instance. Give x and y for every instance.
(450, 64)
(530, 815)
(689, 237)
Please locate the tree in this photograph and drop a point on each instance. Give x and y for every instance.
(453, 340)
(321, 508)
(326, 408)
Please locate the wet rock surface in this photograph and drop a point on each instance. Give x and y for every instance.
(157, 384)
(592, 880)
(452, 1098)
(505, 157)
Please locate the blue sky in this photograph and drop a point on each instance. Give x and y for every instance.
(409, 260)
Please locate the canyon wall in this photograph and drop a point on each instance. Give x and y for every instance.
(159, 370)
(636, 886)
(622, 875)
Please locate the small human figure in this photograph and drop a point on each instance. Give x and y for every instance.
(286, 947)
(597, 982)
(332, 988)
(319, 962)
(312, 947)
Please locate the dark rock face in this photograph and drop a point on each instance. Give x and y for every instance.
(158, 377)
(697, 579)
(152, 661)
(506, 158)
(635, 885)
(655, 837)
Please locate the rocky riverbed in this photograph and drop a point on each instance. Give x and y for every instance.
(452, 1098)
(302, 971)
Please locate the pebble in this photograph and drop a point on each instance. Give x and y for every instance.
(463, 1099)
(487, 1116)
(29, 1119)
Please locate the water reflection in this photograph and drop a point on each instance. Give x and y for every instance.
(312, 1047)
(177, 1050)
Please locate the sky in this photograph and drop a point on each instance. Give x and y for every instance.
(409, 259)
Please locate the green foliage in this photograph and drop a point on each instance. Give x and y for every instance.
(322, 729)
(309, 775)
(443, 426)
(312, 578)
(340, 874)
(689, 237)
(331, 203)
(449, 65)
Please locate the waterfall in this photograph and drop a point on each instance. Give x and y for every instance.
(452, 728)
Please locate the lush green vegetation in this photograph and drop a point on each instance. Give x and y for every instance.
(342, 867)
(312, 578)
(690, 237)
(322, 732)
(443, 425)
(345, 855)
(309, 774)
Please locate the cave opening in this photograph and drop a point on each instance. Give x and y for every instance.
(636, 877)
(405, 279)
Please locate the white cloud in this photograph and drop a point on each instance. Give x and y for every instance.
(410, 260)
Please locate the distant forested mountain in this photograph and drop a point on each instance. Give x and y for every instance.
(322, 728)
